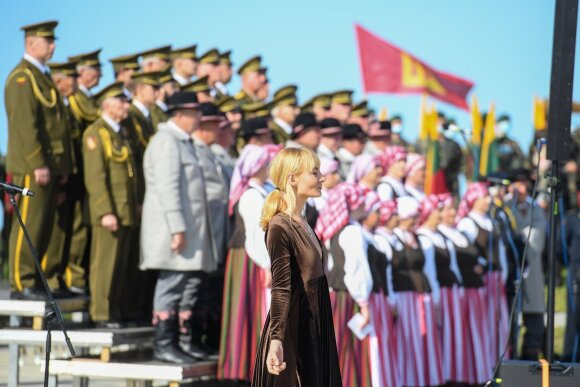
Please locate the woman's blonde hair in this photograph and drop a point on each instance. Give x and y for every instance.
(290, 161)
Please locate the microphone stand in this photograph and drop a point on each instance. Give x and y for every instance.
(54, 311)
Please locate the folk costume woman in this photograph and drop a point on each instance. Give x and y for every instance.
(476, 367)
(476, 224)
(391, 186)
(349, 276)
(417, 292)
(448, 278)
(247, 273)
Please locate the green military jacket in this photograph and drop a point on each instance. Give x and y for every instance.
(140, 130)
(38, 134)
(109, 174)
(244, 97)
(84, 108)
(158, 115)
(279, 135)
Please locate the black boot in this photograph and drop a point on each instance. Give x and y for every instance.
(189, 344)
(166, 348)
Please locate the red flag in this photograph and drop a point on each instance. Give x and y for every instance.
(387, 68)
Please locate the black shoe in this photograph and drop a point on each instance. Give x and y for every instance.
(190, 344)
(63, 293)
(28, 294)
(166, 348)
(109, 325)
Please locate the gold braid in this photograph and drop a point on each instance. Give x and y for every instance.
(37, 93)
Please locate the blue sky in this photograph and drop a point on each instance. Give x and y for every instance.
(504, 47)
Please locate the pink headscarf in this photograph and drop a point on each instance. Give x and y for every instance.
(328, 166)
(391, 155)
(372, 201)
(387, 210)
(414, 163)
(446, 199)
(342, 199)
(251, 160)
(362, 165)
(474, 192)
(429, 204)
(407, 207)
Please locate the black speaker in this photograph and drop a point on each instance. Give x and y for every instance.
(519, 373)
(562, 79)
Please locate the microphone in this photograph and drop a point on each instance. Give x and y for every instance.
(497, 180)
(539, 142)
(454, 128)
(14, 189)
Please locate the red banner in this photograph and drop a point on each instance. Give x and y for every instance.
(387, 68)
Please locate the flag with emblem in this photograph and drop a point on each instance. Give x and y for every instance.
(488, 161)
(434, 174)
(388, 69)
(476, 131)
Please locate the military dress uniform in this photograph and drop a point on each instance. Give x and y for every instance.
(71, 227)
(82, 102)
(37, 137)
(112, 189)
(253, 64)
(285, 96)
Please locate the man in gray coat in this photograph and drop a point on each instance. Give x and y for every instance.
(176, 236)
(522, 207)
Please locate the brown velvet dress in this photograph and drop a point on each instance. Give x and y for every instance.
(300, 313)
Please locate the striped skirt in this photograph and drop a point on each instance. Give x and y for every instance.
(454, 336)
(474, 316)
(353, 354)
(382, 345)
(244, 310)
(498, 316)
(419, 349)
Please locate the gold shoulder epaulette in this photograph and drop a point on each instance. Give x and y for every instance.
(79, 112)
(49, 103)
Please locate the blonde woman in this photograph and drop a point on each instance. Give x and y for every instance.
(297, 347)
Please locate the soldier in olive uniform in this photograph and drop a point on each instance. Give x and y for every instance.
(156, 59)
(360, 115)
(82, 102)
(184, 64)
(124, 67)
(341, 105)
(209, 68)
(319, 105)
(38, 157)
(225, 74)
(71, 228)
(284, 109)
(167, 87)
(253, 77)
(397, 133)
(112, 194)
(201, 88)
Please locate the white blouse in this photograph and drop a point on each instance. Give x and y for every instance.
(429, 268)
(250, 209)
(386, 241)
(388, 187)
(439, 241)
(357, 273)
(468, 226)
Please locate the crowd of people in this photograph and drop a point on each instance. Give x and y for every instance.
(149, 197)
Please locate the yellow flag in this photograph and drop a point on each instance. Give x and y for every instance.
(383, 114)
(488, 138)
(433, 134)
(539, 114)
(476, 122)
(423, 119)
